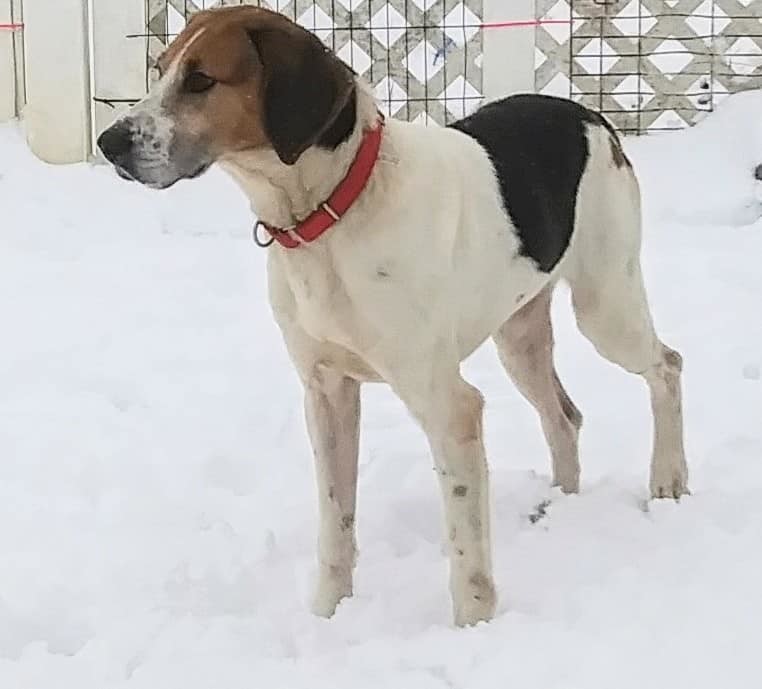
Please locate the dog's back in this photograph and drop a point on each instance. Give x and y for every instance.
(541, 147)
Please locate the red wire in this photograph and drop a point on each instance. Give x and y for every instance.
(487, 25)
(524, 22)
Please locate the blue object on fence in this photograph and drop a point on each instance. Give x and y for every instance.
(449, 44)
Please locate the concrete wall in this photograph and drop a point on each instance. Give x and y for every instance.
(57, 112)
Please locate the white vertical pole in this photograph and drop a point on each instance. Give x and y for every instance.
(7, 65)
(18, 54)
(119, 62)
(57, 111)
(508, 65)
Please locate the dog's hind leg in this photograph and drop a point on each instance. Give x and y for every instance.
(612, 309)
(614, 315)
(525, 345)
(332, 405)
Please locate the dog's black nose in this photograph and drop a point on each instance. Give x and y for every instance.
(116, 143)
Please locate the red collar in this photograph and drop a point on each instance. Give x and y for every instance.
(332, 210)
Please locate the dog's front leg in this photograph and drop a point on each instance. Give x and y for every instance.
(450, 411)
(332, 406)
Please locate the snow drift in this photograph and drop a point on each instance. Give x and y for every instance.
(157, 509)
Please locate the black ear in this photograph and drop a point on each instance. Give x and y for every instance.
(305, 88)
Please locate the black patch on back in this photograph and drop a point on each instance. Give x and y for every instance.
(539, 148)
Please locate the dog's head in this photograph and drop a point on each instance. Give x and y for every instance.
(236, 79)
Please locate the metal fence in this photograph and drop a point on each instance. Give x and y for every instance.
(423, 57)
(649, 64)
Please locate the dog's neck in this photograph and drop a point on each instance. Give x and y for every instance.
(283, 195)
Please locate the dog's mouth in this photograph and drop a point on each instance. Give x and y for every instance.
(124, 173)
(200, 170)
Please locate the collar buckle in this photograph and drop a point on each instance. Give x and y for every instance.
(327, 208)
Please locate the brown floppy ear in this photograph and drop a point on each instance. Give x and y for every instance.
(305, 88)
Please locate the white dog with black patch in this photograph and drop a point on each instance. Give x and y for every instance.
(398, 249)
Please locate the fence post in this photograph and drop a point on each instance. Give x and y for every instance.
(7, 65)
(18, 54)
(119, 56)
(508, 52)
(57, 112)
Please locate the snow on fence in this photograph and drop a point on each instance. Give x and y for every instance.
(648, 64)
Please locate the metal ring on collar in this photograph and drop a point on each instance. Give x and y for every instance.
(264, 243)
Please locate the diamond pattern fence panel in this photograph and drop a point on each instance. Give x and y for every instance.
(422, 57)
(648, 64)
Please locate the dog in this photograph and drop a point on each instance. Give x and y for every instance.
(398, 249)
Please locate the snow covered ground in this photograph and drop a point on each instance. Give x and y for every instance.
(157, 508)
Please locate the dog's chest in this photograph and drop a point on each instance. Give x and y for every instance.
(335, 301)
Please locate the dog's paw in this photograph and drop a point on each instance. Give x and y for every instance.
(567, 479)
(334, 585)
(671, 483)
(567, 487)
(476, 602)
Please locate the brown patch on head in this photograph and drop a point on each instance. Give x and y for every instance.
(246, 78)
(618, 154)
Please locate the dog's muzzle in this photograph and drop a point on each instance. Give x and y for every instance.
(138, 154)
(116, 144)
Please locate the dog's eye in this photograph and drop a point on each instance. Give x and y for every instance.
(198, 82)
